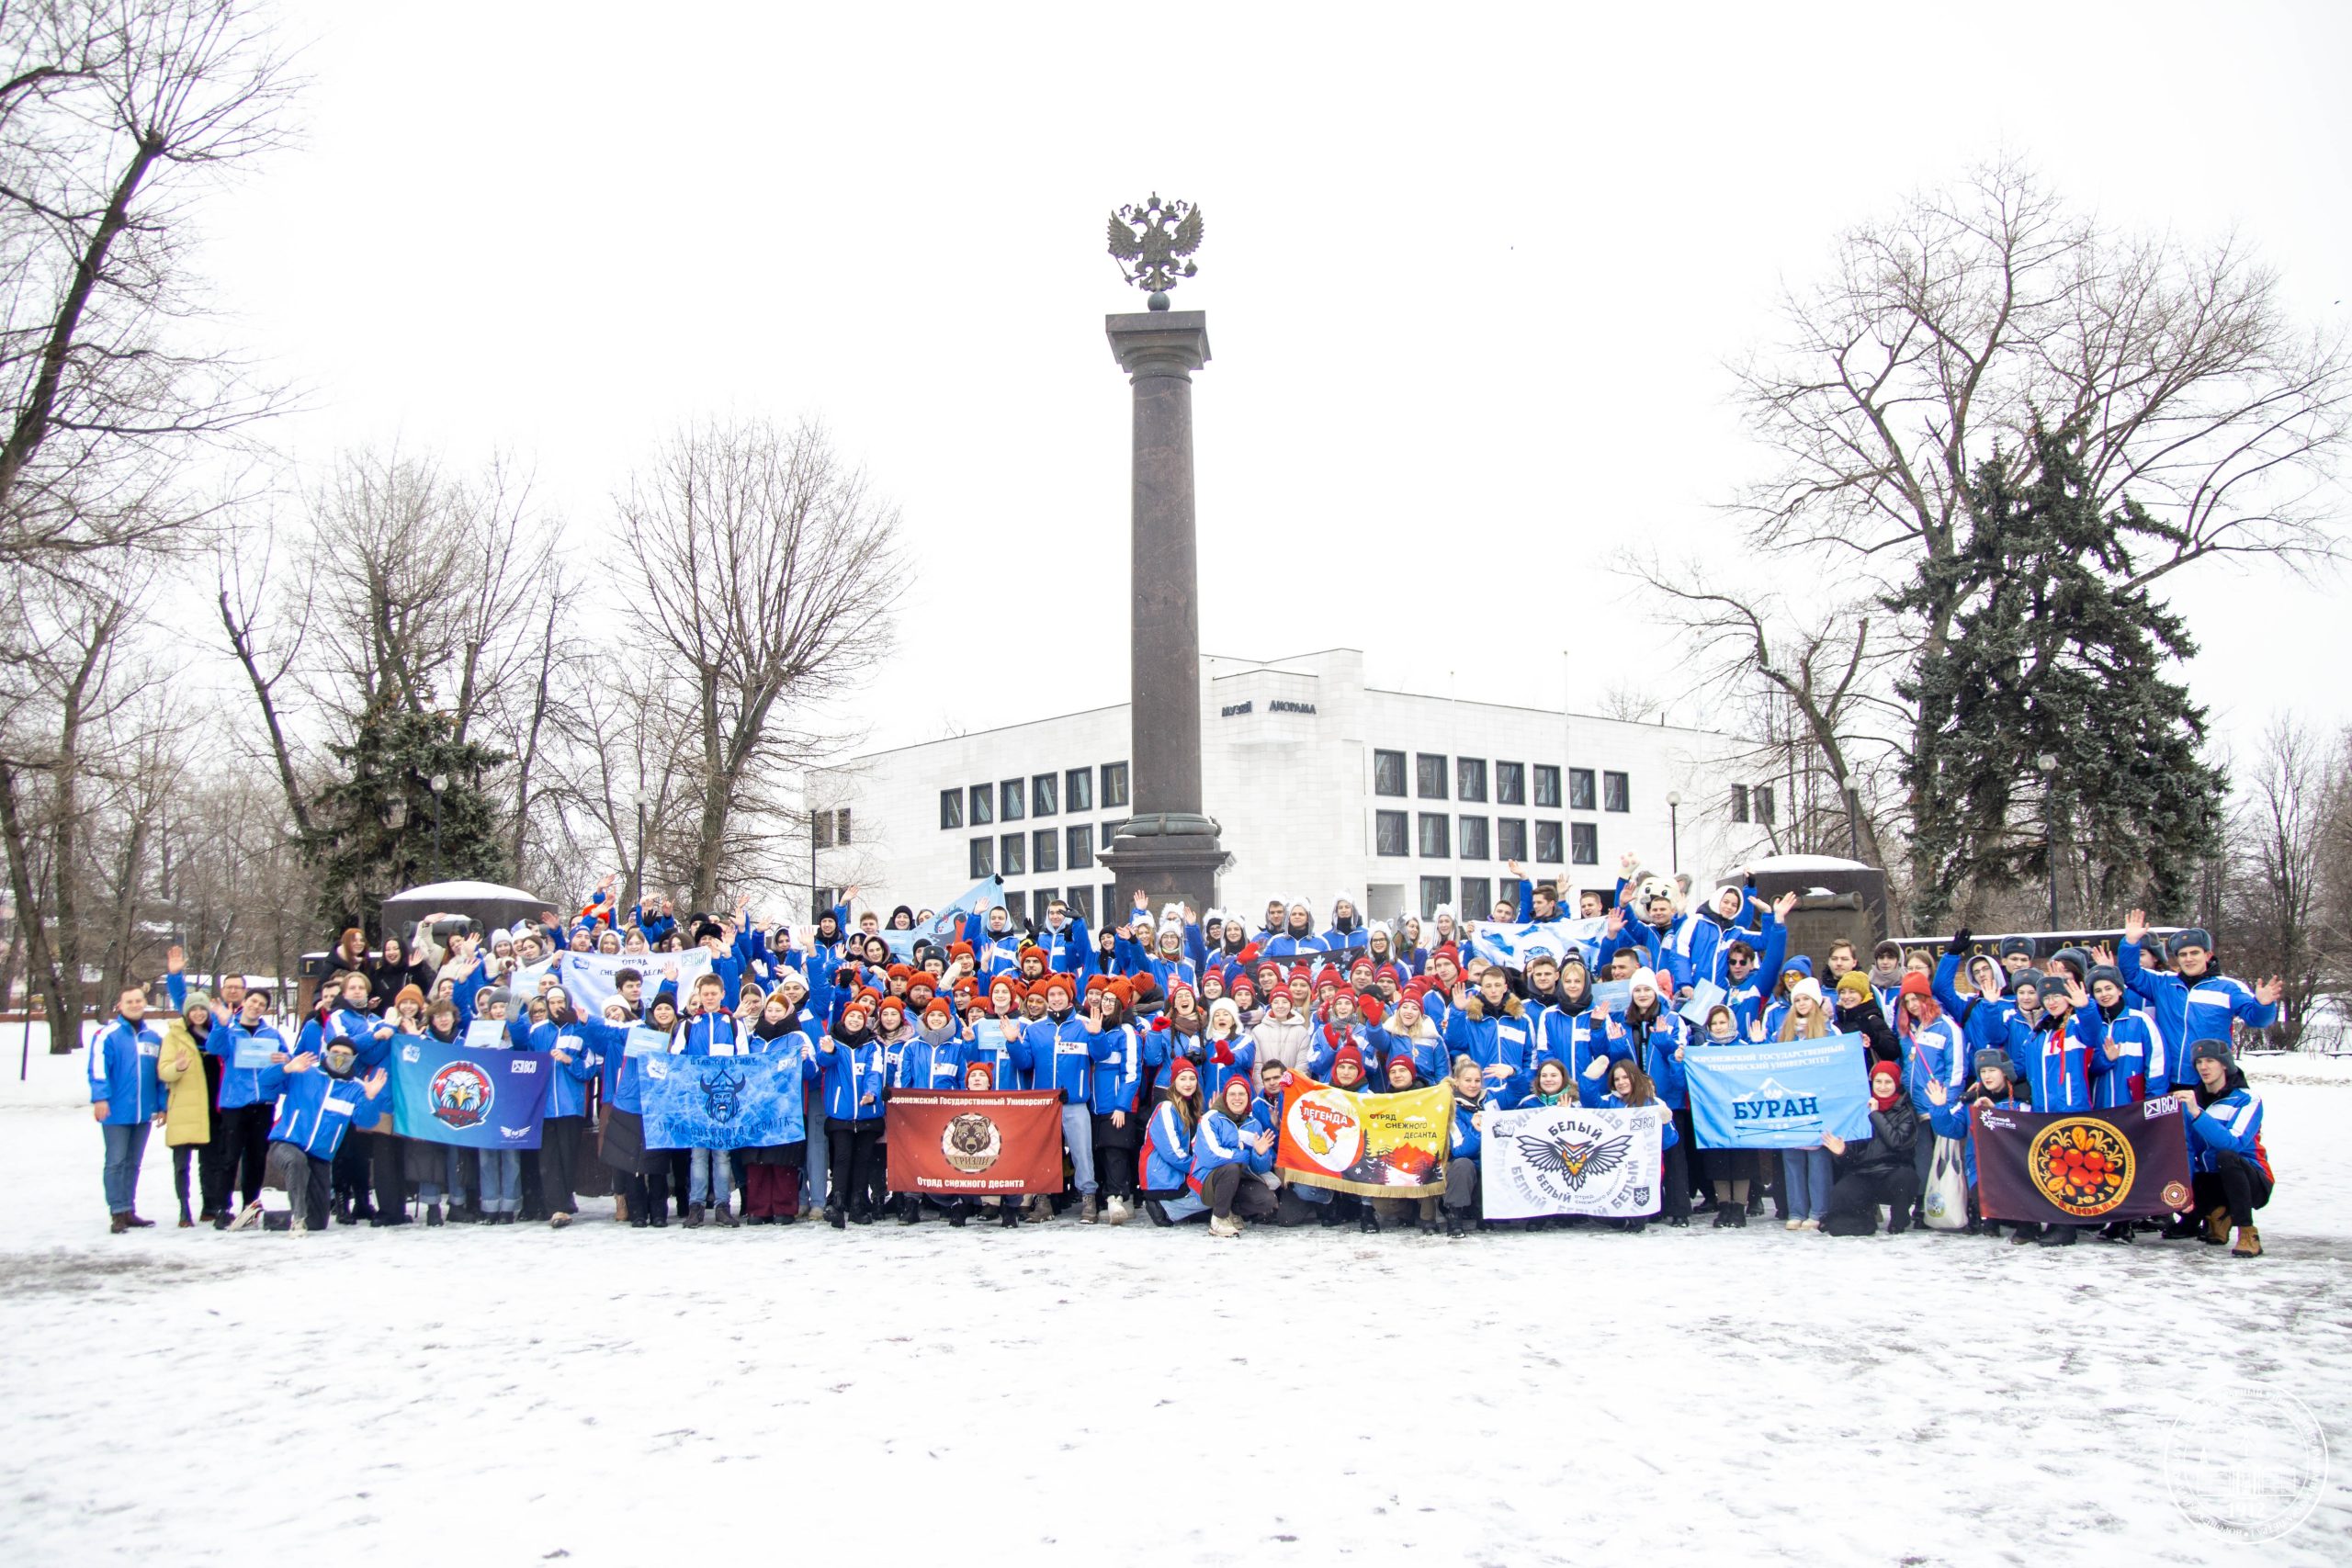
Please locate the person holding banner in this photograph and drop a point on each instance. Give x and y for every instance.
(576, 1045)
(1654, 1031)
(1877, 1170)
(1934, 1051)
(1805, 1174)
(1630, 1088)
(1470, 1103)
(1731, 1172)
(1996, 1084)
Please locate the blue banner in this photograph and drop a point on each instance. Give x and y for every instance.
(724, 1103)
(476, 1100)
(1782, 1094)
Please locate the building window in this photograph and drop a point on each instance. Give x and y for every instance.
(826, 900)
(1017, 906)
(1474, 839)
(1388, 773)
(1078, 789)
(1080, 900)
(1078, 843)
(1547, 843)
(1616, 792)
(1510, 838)
(1478, 899)
(951, 809)
(1581, 793)
(1510, 784)
(1041, 795)
(1435, 890)
(1740, 803)
(1389, 833)
(1008, 800)
(1763, 798)
(983, 804)
(821, 830)
(1045, 850)
(1434, 836)
(1115, 784)
(1470, 778)
(1547, 786)
(1584, 838)
(841, 827)
(1429, 776)
(983, 860)
(1507, 892)
(1012, 855)
(1104, 834)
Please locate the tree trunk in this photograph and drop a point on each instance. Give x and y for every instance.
(40, 961)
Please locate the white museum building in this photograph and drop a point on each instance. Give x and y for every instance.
(1323, 785)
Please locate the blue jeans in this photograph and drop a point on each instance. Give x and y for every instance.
(502, 1181)
(1183, 1208)
(1078, 1134)
(1807, 1175)
(431, 1192)
(706, 1176)
(126, 1147)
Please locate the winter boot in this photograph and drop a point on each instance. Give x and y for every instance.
(2120, 1231)
(725, 1214)
(1453, 1225)
(1011, 1219)
(693, 1216)
(834, 1217)
(1088, 1210)
(1368, 1221)
(1116, 1211)
(432, 1215)
(2217, 1227)
(956, 1213)
(1226, 1228)
(2058, 1236)
(2249, 1242)
(560, 1219)
(1041, 1209)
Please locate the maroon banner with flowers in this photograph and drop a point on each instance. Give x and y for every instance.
(2082, 1166)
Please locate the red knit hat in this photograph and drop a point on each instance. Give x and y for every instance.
(1329, 975)
(1918, 984)
(1348, 1053)
(1057, 982)
(889, 1004)
(1448, 952)
(941, 1006)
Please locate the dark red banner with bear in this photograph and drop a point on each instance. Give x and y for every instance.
(2084, 1166)
(970, 1143)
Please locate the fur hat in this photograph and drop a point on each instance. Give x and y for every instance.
(2191, 936)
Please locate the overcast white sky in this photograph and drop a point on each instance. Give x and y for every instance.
(1471, 276)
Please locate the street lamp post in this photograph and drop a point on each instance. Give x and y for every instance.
(637, 876)
(1674, 829)
(438, 781)
(2049, 762)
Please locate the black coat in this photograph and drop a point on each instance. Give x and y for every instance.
(1887, 1150)
(1869, 1022)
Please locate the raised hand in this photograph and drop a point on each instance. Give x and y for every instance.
(2135, 926)
(2270, 990)
(1936, 1093)
(1783, 906)
(1628, 862)
(175, 960)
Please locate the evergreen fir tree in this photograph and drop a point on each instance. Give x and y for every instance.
(2055, 654)
(375, 827)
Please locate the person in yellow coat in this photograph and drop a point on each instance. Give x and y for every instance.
(188, 1113)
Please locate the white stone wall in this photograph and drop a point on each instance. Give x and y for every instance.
(1293, 790)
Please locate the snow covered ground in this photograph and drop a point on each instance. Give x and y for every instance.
(605, 1396)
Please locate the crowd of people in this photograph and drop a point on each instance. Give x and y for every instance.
(1169, 1040)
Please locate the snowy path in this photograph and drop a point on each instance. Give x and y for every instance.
(613, 1396)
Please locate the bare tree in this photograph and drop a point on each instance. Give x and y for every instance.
(2290, 858)
(112, 114)
(1938, 340)
(761, 560)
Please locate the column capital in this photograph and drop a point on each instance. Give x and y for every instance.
(1160, 342)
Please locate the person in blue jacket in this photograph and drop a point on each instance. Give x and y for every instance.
(125, 1098)
(2197, 1001)
(319, 1100)
(1124, 1055)
(576, 1044)
(1950, 1115)
(853, 1064)
(1056, 1052)
(1347, 928)
(1231, 1150)
(933, 1059)
(1983, 1010)
(1168, 1146)
(1628, 1086)
(2228, 1167)
(1491, 1031)
(245, 1113)
(1471, 1101)
(1297, 936)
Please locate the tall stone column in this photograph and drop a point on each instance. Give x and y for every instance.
(1168, 848)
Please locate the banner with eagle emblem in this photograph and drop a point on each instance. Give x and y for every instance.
(1569, 1159)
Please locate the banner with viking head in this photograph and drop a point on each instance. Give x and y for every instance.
(723, 1102)
(1569, 1159)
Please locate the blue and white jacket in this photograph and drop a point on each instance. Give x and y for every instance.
(122, 1072)
(2232, 1124)
(1056, 1054)
(1503, 1046)
(2189, 1011)
(315, 1109)
(241, 1087)
(1216, 1142)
